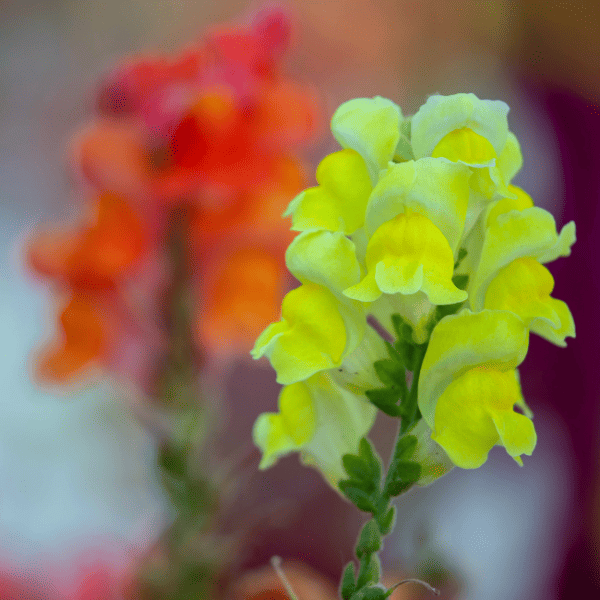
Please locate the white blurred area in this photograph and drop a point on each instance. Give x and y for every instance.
(81, 468)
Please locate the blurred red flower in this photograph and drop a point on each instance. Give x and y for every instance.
(210, 135)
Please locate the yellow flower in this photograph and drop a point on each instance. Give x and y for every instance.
(406, 255)
(371, 126)
(338, 203)
(524, 287)
(468, 386)
(320, 420)
(461, 128)
(315, 333)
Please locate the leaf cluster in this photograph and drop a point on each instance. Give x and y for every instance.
(395, 399)
(370, 493)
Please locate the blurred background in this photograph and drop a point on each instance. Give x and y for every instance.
(78, 471)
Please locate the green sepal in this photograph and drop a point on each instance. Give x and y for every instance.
(369, 539)
(369, 572)
(348, 585)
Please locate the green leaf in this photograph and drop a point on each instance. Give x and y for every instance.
(405, 447)
(385, 399)
(173, 461)
(405, 475)
(348, 585)
(390, 372)
(369, 539)
(387, 521)
(356, 468)
(369, 455)
(370, 571)
(402, 328)
(357, 495)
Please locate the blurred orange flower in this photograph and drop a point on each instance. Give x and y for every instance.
(212, 132)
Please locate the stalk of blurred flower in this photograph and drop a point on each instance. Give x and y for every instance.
(180, 262)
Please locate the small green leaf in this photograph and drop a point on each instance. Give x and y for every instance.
(403, 476)
(374, 592)
(348, 585)
(402, 328)
(369, 572)
(371, 458)
(405, 447)
(173, 461)
(356, 468)
(385, 399)
(369, 539)
(361, 499)
(390, 372)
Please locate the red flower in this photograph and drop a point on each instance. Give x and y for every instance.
(212, 130)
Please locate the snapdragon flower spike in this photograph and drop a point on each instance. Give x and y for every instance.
(416, 221)
(319, 419)
(469, 385)
(211, 134)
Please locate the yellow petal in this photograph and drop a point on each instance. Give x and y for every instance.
(371, 126)
(524, 287)
(405, 255)
(515, 234)
(315, 333)
(340, 200)
(442, 115)
(432, 187)
(491, 338)
(320, 420)
(466, 146)
(475, 412)
(277, 434)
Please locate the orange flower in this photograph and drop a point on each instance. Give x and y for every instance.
(212, 130)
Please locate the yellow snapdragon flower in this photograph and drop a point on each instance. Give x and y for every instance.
(414, 235)
(469, 385)
(317, 418)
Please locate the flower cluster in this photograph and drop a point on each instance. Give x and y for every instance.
(414, 228)
(199, 147)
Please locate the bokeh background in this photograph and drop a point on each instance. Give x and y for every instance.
(77, 471)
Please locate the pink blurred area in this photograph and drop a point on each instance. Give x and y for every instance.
(536, 526)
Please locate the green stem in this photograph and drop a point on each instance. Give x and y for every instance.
(400, 476)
